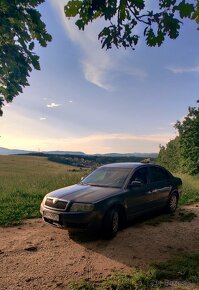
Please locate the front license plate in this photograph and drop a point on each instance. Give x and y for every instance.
(51, 216)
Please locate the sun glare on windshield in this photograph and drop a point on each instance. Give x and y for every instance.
(107, 177)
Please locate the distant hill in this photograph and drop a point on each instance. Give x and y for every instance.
(6, 151)
(152, 155)
(64, 152)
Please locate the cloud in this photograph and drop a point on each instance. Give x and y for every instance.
(95, 143)
(114, 142)
(52, 105)
(70, 101)
(98, 65)
(42, 118)
(181, 70)
(163, 137)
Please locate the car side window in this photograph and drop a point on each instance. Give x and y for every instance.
(140, 175)
(158, 174)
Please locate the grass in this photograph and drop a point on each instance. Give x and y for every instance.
(181, 215)
(139, 280)
(190, 189)
(24, 180)
(184, 268)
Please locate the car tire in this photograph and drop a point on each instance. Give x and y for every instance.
(172, 203)
(111, 223)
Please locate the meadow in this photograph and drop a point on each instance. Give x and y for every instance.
(24, 180)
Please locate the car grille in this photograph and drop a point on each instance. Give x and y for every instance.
(59, 204)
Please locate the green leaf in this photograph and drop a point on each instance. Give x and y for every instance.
(185, 9)
(72, 8)
(80, 24)
(31, 45)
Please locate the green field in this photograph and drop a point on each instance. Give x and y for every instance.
(24, 180)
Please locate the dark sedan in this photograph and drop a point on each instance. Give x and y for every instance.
(112, 195)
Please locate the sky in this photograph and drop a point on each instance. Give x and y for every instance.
(98, 101)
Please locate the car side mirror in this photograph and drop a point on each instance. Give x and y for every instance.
(82, 178)
(135, 183)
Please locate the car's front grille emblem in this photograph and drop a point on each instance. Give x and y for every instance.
(55, 200)
(56, 203)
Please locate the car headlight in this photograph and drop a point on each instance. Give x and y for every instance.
(81, 207)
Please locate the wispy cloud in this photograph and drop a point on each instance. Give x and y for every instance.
(182, 70)
(96, 63)
(42, 118)
(163, 137)
(52, 105)
(115, 142)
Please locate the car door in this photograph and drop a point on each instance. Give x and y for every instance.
(138, 196)
(160, 185)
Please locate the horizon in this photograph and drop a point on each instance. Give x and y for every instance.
(79, 151)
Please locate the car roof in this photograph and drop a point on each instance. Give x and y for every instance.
(131, 165)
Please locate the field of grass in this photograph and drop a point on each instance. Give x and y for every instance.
(24, 180)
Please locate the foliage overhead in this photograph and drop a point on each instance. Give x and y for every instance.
(125, 15)
(20, 27)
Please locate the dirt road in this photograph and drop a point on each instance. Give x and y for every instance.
(38, 256)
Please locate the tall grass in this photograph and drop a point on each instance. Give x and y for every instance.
(190, 189)
(24, 180)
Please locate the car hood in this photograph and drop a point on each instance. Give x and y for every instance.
(83, 193)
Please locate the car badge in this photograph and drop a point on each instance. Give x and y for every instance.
(54, 200)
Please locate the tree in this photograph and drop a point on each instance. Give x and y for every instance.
(170, 155)
(182, 153)
(189, 140)
(125, 15)
(20, 27)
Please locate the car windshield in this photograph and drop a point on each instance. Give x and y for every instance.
(107, 177)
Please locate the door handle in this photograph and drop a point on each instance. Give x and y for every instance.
(149, 192)
(154, 191)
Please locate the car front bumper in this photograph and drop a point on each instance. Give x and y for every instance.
(64, 219)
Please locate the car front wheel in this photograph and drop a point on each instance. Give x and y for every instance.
(111, 223)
